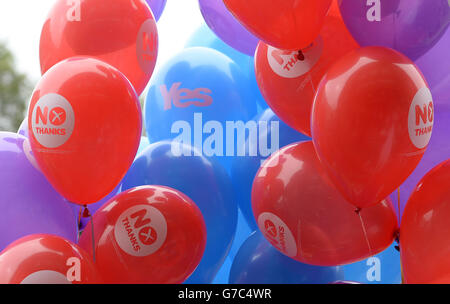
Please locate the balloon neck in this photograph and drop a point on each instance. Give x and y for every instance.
(397, 239)
(357, 210)
(86, 212)
(300, 55)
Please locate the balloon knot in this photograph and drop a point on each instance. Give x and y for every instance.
(357, 210)
(397, 236)
(300, 55)
(397, 239)
(86, 212)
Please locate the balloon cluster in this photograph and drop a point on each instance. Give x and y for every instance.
(282, 146)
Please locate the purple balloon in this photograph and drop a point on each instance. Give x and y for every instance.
(226, 27)
(409, 26)
(435, 66)
(438, 150)
(157, 7)
(28, 203)
(23, 129)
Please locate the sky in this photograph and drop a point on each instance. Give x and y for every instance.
(21, 23)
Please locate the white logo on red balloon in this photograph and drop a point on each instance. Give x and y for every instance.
(421, 118)
(52, 120)
(278, 233)
(293, 64)
(140, 230)
(147, 46)
(46, 277)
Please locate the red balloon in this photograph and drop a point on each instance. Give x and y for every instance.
(146, 235)
(85, 124)
(287, 24)
(371, 123)
(302, 215)
(46, 259)
(288, 79)
(425, 229)
(121, 33)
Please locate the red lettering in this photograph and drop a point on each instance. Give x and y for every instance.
(41, 116)
(430, 111)
(198, 97)
(140, 221)
(421, 114)
(276, 54)
(148, 43)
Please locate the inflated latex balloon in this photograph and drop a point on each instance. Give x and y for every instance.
(226, 27)
(435, 65)
(258, 262)
(143, 144)
(28, 202)
(288, 79)
(204, 37)
(148, 234)
(243, 231)
(425, 229)
(121, 33)
(197, 98)
(273, 134)
(46, 259)
(84, 123)
(206, 182)
(82, 221)
(409, 26)
(438, 150)
(371, 123)
(306, 218)
(287, 24)
(23, 128)
(157, 7)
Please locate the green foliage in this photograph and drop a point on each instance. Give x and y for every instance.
(15, 91)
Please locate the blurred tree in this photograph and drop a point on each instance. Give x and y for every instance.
(15, 89)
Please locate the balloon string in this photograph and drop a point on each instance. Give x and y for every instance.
(92, 236)
(398, 234)
(79, 223)
(358, 211)
(398, 205)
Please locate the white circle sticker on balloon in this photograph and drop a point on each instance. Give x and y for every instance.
(293, 64)
(52, 120)
(421, 118)
(278, 233)
(140, 230)
(147, 46)
(46, 277)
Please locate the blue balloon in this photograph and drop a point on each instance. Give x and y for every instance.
(195, 98)
(243, 231)
(144, 143)
(275, 135)
(206, 38)
(223, 275)
(203, 180)
(383, 268)
(258, 262)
